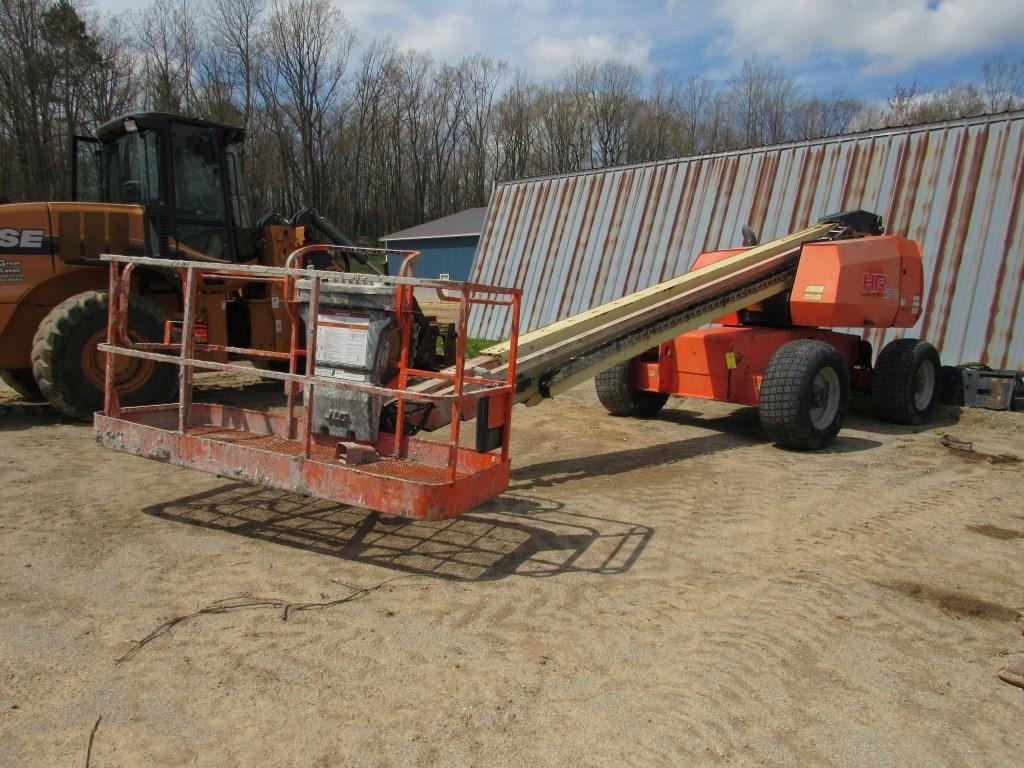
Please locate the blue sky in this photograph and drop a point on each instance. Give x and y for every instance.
(864, 46)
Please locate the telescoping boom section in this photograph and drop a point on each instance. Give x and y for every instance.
(559, 356)
(358, 404)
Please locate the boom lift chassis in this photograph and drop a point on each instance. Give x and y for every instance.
(836, 273)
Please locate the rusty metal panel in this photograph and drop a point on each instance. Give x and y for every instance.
(574, 241)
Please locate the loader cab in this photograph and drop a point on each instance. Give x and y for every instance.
(185, 174)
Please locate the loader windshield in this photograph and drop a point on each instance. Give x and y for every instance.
(131, 165)
(198, 186)
(199, 199)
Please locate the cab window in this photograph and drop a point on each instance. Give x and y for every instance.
(198, 186)
(238, 203)
(131, 168)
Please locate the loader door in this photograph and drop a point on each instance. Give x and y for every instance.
(200, 193)
(87, 169)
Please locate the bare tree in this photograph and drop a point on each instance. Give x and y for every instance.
(234, 35)
(695, 103)
(167, 73)
(908, 107)
(446, 112)
(307, 44)
(815, 116)
(1002, 84)
(515, 132)
(114, 84)
(612, 90)
(374, 101)
(657, 128)
(415, 82)
(762, 98)
(479, 79)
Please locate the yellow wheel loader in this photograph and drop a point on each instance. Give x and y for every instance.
(160, 185)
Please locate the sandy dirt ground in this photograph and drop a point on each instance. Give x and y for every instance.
(667, 592)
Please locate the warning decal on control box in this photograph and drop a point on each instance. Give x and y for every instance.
(341, 345)
(10, 271)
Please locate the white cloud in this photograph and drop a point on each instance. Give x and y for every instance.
(874, 37)
(891, 35)
(445, 37)
(367, 15)
(549, 55)
(542, 36)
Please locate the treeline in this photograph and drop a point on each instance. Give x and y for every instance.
(387, 139)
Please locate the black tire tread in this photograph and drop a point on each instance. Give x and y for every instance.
(60, 322)
(783, 395)
(620, 398)
(892, 381)
(23, 382)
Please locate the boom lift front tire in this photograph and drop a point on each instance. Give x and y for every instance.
(905, 384)
(804, 395)
(70, 370)
(22, 382)
(617, 394)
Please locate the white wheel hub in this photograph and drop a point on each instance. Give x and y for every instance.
(825, 395)
(924, 385)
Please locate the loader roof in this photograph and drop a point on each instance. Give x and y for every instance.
(161, 120)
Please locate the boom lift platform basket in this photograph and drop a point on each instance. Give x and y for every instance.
(324, 451)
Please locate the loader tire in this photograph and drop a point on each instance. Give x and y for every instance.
(804, 394)
(906, 382)
(22, 382)
(70, 370)
(620, 398)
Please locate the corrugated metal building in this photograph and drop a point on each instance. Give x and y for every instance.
(446, 245)
(578, 240)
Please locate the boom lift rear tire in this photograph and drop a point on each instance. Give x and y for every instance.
(905, 384)
(70, 370)
(804, 395)
(617, 394)
(22, 382)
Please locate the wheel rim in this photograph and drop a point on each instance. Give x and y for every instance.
(924, 385)
(825, 395)
(130, 373)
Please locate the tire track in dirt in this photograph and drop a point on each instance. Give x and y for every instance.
(781, 608)
(823, 548)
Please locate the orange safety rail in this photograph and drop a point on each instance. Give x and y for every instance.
(399, 474)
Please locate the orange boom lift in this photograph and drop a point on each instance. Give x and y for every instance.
(355, 438)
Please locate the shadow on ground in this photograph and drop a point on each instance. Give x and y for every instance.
(261, 394)
(512, 535)
(738, 429)
(547, 474)
(860, 416)
(16, 415)
(744, 425)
